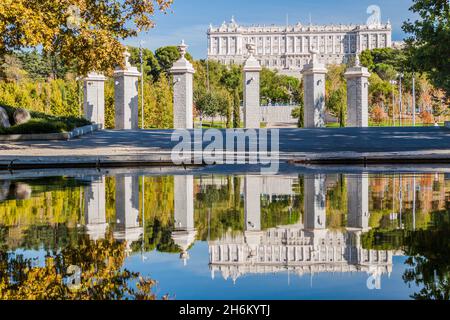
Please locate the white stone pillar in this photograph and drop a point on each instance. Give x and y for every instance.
(95, 209)
(314, 202)
(358, 201)
(314, 93)
(126, 96)
(183, 78)
(127, 209)
(357, 95)
(252, 108)
(184, 233)
(94, 98)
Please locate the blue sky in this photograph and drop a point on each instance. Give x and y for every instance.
(189, 19)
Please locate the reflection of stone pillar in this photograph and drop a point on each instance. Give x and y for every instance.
(183, 74)
(4, 189)
(95, 209)
(252, 108)
(184, 202)
(314, 202)
(357, 95)
(358, 201)
(126, 96)
(314, 93)
(184, 233)
(252, 211)
(252, 203)
(94, 98)
(127, 209)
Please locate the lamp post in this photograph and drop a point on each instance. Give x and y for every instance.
(414, 99)
(393, 83)
(142, 82)
(400, 76)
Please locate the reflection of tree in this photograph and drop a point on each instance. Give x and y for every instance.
(102, 276)
(157, 236)
(219, 209)
(48, 237)
(336, 204)
(429, 261)
(379, 239)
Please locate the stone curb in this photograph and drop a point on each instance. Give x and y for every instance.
(51, 136)
(164, 159)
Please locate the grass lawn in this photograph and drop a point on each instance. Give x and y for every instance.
(42, 123)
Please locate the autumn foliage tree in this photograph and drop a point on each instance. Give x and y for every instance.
(378, 115)
(84, 33)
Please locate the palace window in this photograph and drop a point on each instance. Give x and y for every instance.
(233, 45)
(260, 45)
(215, 45)
(353, 43)
(383, 43)
(373, 41)
(224, 45)
(338, 43)
(291, 44)
(322, 44)
(298, 45)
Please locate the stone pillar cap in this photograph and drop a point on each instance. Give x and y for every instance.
(357, 71)
(94, 76)
(182, 66)
(131, 71)
(251, 64)
(314, 67)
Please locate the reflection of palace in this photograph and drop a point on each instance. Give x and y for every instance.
(307, 247)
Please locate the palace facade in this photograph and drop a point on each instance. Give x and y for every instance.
(288, 47)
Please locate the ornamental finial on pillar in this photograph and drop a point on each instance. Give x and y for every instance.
(251, 47)
(127, 56)
(313, 53)
(357, 61)
(182, 48)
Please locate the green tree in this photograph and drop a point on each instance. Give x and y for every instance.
(236, 109)
(152, 69)
(11, 69)
(337, 105)
(167, 56)
(336, 95)
(428, 44)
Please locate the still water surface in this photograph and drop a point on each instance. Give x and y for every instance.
(212, 236)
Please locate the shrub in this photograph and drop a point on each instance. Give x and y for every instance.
(427, 117)
(378, 115)
(42, 123)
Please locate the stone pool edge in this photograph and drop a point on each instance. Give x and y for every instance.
(51, 136)
(163, 158)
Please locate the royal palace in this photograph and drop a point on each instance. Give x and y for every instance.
(287, 48)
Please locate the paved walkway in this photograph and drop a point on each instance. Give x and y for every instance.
(295, 144)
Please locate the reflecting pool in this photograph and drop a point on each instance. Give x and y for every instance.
(199, 235)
